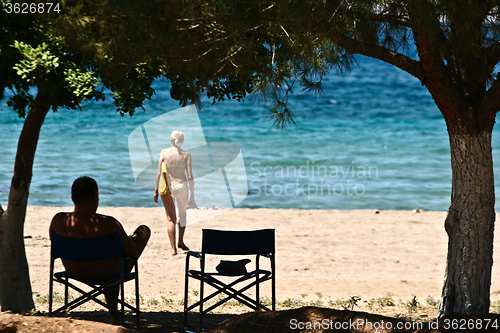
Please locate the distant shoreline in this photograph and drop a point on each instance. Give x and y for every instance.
(251, 208)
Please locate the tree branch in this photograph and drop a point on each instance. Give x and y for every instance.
(492, 54)
(429, 39)
(428, 36)
(384, 18)
(199, 56)
(403, 62)
(491, 100)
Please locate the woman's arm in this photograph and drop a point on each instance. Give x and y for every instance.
(190, 178)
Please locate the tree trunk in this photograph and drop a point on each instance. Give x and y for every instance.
(15, 285)
(469, 225)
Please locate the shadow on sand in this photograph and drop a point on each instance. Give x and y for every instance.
(306, 319)
(156, 322)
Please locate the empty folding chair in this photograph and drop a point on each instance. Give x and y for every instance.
(260, 243)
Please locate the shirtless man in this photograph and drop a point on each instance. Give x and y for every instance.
(84, 222)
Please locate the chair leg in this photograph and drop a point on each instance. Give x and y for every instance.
(273, 293)
(202, 266)
(137, 300)
(273, 283)
(257, 290)
(201, 304)
(51, 292)
(186, 288)
(51, 285)
(257, 294)
(66, 292)
(122, 291)
(50, 298)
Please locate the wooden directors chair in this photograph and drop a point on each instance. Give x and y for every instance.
(260, 243)
(87, 250)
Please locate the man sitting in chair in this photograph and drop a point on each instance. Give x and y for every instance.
(84, 222)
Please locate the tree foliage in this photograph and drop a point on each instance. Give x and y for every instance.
(229, 49)
(221, 49)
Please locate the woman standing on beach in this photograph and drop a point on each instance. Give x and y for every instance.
(174, 175)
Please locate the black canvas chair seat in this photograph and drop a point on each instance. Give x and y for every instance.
(260, 243)
(94, 282)
(88, 250)
(255, 272)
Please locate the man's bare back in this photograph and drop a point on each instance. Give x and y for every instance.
(85, 224)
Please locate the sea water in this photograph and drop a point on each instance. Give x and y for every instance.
(374, 140)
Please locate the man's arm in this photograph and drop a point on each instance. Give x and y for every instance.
(55, 224)
(51, 227)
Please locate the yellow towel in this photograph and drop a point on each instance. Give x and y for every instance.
(163, 186)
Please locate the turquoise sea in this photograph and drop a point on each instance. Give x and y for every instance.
(375, 140)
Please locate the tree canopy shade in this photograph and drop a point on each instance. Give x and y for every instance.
(228, 49)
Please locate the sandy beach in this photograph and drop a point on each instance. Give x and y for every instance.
(326, 254)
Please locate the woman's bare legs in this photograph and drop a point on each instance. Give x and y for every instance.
(169, 205)
(182, 202)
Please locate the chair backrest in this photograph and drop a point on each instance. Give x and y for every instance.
(228, 242)
(86, 249)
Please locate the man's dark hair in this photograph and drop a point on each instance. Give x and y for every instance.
(83, 189)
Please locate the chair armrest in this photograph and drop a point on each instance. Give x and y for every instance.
(194, 254)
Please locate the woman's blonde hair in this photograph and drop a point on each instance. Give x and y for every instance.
(177, 138)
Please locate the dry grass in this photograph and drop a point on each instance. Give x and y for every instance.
(386, 305)
(165, 314)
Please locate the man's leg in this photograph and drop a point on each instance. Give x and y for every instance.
(140, 238)
(111, 296)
